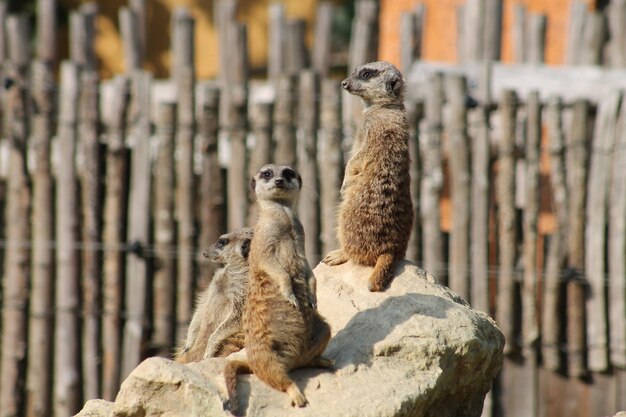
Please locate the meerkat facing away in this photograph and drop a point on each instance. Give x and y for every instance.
(215, 328)
(280, 334)
(376, 213)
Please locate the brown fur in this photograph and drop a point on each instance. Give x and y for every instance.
(282, 328)
(376, 213)
(215, 328)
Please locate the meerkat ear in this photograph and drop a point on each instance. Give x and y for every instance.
(300, 181)
(252, 185)
(394, 84)
(245, 248)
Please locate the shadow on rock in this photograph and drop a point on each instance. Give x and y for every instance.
(354, 344)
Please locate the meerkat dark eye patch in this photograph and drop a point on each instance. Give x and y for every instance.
(366, 73)
(266, 175)
(245, 248)
(222, 242)
(289, 174)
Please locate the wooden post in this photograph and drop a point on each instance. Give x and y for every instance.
(184, 78)
(459, 160)
(40, 326)
(113, 238)
(164, 232)
(308, 202)
(591, 48)
(473, 24)
(616, 14)
(3, 35)
(519, 33)
(82, 34)
(553, 304)
(136, 291)
(213, 201)
(578, 11)
(138, 8)
(284, 121)
(595, 231)
(536, 38)
(432, 178)
(261, 153)
(276, 59)
(67, 381)
(493, 30)
(617, 248)
(411, 27)
(577, 165)
(479, 233)
(236, 98)
(322, 38)
(507, 236)
(129, 29)
(530, 328)
(330, 162)
(17, 221)
(297, 54)
(46, 30)
(91, 173)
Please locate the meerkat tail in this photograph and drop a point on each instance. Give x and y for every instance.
(383, 272)
(231, 370)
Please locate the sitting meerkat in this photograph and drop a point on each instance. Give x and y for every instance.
(215, 328)
(282, 328)
(376, 213)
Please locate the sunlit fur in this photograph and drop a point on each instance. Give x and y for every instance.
(215, 328)
(281, 333)
(376, 213)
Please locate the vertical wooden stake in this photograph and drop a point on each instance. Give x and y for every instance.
(284, 121)
(261, 152)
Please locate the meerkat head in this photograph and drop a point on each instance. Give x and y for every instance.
(376, 82)
(231, 247)
(277, 183)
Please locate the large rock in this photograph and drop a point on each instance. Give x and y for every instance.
(415, 350)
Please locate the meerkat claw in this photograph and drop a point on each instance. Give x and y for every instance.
(336, 257)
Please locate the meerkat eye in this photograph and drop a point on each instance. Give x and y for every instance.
(221, 243)
(289, 174)
(366, 73)
(266, 175)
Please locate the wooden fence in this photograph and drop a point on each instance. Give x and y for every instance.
(111, 189)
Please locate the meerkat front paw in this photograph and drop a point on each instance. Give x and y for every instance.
(312, 301)
(211, 350)
(336, 257)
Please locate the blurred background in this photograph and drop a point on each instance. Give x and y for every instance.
(130, 130)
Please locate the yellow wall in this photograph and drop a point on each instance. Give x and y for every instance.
(253, 12)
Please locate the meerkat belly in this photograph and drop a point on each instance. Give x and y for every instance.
(376, 215)
(272, 324)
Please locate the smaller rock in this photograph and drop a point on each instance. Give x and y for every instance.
(96, 408)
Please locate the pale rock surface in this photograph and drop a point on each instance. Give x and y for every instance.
(415, 350)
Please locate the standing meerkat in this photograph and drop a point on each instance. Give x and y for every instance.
(282, 328)
(215, 328)
(376, 212)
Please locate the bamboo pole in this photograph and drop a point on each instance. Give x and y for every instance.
(90, 173)
(530, 217)
(17, 219)
(308, 202)
(164, 285)
(67, 381)
(577, 159)
(552, 301)
(285, 109)
(184, 78)
(432, 179)
(136, 291)
(507, 236)
(330, 162)
(261, 152)
(459, 162)
(236, 98)
(40, 326)
(212, 206)
(479, 234)
(113, 238)
(595, 231)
